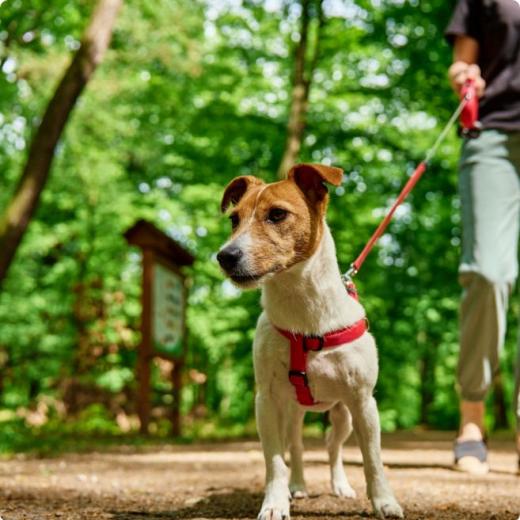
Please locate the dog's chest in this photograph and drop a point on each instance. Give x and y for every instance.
(330, 373)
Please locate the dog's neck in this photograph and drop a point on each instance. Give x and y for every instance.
(310, 297)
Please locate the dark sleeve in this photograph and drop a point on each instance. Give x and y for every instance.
(465, 21)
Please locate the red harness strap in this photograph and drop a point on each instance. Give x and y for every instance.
(301, 345)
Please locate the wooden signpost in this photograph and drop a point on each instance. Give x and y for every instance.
(163, 319)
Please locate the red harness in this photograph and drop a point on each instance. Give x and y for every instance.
(301, 345)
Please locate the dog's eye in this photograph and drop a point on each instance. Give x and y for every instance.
(235, 220)
(277, 215)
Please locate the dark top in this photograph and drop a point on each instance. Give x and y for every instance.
(495, 24)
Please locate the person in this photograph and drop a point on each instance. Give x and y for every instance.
(485, 35)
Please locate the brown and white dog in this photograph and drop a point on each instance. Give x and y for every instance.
(281, 242)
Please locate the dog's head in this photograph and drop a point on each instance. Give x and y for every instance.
(277, 225)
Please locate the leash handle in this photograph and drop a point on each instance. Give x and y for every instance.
(469, 123)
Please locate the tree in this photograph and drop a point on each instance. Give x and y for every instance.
(23, 203)
(167, 121)
(305, 60)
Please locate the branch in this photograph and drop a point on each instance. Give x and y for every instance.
(22, 206)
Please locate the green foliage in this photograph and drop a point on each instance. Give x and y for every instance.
(188, 97)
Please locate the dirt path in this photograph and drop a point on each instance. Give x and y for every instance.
(224, 481)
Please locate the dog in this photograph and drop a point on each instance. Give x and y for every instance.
(310, 327)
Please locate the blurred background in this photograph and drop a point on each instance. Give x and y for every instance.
(188, 96)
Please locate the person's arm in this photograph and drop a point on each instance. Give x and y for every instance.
(464, 67)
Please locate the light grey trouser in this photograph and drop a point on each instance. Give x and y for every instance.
(490, 196)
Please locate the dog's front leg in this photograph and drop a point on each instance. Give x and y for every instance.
(295, 427)
(271, 430)
(366, 425)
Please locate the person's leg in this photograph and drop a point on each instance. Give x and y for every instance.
(482, 329)
(517, 401)
(490, 196)
(471, 420)
(514, 153)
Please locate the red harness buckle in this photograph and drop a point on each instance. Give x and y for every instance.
(307, 345)
(298, 378)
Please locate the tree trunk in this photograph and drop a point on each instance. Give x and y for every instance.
(16, 218)
(499, 404)
(303, 72)
(427, 364)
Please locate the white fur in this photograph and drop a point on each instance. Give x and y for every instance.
(310, 298)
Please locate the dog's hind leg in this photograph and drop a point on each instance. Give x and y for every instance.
(341, 422)
(269, 419)
(295, 427)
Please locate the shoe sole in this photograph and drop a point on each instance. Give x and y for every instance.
(472, 466)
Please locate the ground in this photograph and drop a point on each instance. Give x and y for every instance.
(224, 481)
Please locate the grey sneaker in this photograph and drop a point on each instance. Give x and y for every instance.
(471, 457)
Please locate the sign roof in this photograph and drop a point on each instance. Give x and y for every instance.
(146, 236)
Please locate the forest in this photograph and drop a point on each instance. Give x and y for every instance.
(187, 96)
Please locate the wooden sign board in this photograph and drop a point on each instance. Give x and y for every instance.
(163, 320)
(168, 311)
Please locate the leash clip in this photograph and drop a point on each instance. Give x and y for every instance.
(349, 275)
(348, 281)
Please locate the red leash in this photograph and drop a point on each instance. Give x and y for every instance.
(468, 112)
(301, 345)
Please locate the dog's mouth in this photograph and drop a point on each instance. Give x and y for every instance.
(243, 279)
(246, 279)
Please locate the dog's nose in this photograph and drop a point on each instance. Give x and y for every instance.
(228, 258)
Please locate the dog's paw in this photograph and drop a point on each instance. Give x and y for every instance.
(341, 488)
(298, 490)
(276, 502)
(273, 513)
(387, 507)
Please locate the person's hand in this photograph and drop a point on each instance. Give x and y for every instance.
(460, 72)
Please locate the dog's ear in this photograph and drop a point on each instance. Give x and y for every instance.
(310, 178)
(235, 190)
